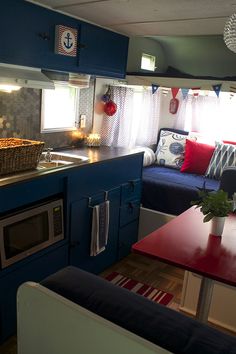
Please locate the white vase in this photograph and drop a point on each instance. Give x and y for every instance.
(217, 225)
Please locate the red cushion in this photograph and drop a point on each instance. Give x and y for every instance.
(197, 157)
(229, 142)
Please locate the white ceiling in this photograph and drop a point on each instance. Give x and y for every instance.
(150, 17)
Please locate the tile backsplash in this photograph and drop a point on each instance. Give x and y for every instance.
(20, 114)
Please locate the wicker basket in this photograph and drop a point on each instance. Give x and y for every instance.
(19, 155)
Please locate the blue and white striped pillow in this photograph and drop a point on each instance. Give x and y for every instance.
(223, 156)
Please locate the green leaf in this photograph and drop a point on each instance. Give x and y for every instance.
(213, 203)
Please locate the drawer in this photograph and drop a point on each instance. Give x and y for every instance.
(129, 212)
(131, 190)
(127, 237)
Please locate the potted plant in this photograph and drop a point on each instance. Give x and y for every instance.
(216, 206)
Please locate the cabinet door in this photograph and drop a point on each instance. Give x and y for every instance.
(27, 36)
(81, 226)
(32, 271)
(27, 33)
(104, 52)
(127, 237)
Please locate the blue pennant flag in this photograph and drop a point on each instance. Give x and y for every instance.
(184, 92)
(154, 88)
(217, 89)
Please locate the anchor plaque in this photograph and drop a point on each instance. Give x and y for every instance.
(66, 41)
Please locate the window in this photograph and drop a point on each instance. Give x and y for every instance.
(209, 115)
(59, 108)
(148, 62)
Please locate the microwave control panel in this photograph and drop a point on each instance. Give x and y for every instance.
(57, 220)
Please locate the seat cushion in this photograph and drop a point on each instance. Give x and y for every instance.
(156, 323)
(170, 191)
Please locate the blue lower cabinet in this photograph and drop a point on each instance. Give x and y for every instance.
(127, 237)
(35, 270)
(81, 228)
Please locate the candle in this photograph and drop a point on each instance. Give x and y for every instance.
(93, 140)
(78, 137)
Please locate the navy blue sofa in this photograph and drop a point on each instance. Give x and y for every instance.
(170, 191)
(158, 324)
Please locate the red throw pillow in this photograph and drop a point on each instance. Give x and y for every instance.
(229, 142)
(197, 157)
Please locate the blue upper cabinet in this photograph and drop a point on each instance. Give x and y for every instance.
(102, 52)
(27, 34)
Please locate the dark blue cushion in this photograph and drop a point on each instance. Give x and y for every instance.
(170, 191)
(156, 323)
(228, 181)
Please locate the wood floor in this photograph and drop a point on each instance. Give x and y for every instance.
(151, 272)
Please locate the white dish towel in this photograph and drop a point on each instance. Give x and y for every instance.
(100, 228)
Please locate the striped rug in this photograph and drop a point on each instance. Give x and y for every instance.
(149, 292)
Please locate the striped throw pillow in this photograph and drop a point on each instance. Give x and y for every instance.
(223, 156)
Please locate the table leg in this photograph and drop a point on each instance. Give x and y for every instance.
(204, 299)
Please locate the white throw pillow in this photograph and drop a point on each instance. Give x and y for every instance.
(170, 149)
(149, 156)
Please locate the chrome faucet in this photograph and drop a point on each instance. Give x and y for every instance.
(48, 155)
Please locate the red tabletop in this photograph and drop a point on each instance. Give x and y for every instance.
(186, 243)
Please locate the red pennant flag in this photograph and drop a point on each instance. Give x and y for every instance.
(196, 91)
(174, 91)
(232, 90)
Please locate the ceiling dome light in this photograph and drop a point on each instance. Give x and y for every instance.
(230, 33)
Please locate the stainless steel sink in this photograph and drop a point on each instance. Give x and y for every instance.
(53, 164)
(59, 159)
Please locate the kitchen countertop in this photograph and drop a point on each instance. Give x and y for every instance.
(95, 155)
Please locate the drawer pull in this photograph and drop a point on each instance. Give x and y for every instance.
(132, 185)
(131, 205)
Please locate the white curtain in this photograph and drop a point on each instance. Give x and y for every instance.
(116, 129)
(136, 120)
(208, 114)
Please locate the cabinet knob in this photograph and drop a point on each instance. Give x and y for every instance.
(81, 46)
(45, 36)
(131, 205)
(132, 184)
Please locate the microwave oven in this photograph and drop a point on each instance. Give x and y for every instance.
(30, 230)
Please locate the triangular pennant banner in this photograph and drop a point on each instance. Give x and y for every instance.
(217, 89)
(232, 90)
(174, 91)
(184, 92)
(154, 88)
(196, 91)
(165, 91)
